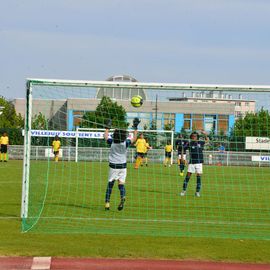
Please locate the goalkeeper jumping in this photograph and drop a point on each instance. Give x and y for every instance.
(118, 161)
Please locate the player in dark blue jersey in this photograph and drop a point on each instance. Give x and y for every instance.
(195, 147)
(181, 147)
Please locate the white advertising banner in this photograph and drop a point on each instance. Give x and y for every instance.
(261, 158)
(258, 143)
(71, 134)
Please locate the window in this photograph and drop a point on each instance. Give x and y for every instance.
(197, 124)
(169, 119)
(187, 124)
(210, 122)
(222, 126)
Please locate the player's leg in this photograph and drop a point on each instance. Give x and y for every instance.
(109, 188)
(1, 153)
(57, 156)
(187, 178)
(199, 179)
(169, 159)
(166, 159)
(138, 160)
(5, 153)
(182, 164)
(143, 161)
(146, 160)
(121, 186)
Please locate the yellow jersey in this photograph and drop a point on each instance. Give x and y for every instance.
(168, 148)
(147, 146)
(140, 145)
(56, 145)
(4, 140)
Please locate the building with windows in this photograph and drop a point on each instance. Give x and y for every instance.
(211, 111)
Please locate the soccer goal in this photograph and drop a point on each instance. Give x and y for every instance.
(226, 196)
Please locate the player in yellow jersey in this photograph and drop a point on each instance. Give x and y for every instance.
(147, 147)
(140, 149)
(168, 154)
(56, 144)
(4, 141)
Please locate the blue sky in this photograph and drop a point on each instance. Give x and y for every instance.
(174, 41)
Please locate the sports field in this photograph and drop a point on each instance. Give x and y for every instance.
(155, 222)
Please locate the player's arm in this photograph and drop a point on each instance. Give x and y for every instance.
(106, 134)
(205, 136)
(136, 122)
(108, 125)
(134, 139)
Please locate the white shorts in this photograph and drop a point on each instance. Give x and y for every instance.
(195, 168)
(184, 157)
(117, 174)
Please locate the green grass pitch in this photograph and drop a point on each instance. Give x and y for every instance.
(156, 222)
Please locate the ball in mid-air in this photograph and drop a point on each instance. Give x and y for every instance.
(136, 101)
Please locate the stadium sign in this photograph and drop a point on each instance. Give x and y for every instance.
(261, 158)
(258, 143)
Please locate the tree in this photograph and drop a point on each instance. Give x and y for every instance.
(168, 126)
(253, 124)
(11, 122)
(39, 121)
(9, 118)
(106, 109)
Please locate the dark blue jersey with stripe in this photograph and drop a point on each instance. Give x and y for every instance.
(182, 146)
(196, 151)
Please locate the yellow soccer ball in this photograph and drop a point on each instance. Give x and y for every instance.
(136, 101)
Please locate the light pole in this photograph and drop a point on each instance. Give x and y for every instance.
(156, 111)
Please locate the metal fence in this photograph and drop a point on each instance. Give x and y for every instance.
(154, 155)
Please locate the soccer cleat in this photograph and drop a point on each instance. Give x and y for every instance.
(197, 194)
(181, 174)
(121, 204)
(183, 193)
(107, 206)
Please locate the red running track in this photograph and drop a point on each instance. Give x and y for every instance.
(23, 263)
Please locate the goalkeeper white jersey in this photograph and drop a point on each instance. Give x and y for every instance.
(118, 154)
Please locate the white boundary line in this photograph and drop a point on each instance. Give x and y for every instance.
(162, 221)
